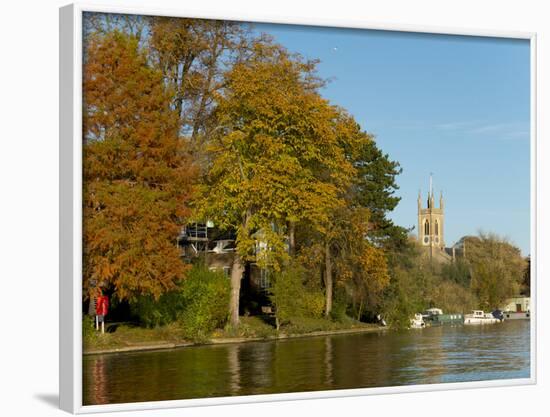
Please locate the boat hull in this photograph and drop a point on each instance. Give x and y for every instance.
(513, 315)
(445, 320)
(480, 320)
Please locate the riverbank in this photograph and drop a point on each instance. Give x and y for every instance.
(127, 338)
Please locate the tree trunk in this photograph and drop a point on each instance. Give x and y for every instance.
(328, 280)
(360, 310)
(292, 238)
(236, 276)
(237, 271)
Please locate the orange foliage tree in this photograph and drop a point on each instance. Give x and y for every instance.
(137, 175)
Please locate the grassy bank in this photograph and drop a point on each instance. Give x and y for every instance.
(127, 337)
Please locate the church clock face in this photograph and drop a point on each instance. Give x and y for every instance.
(436, 240)
(426, 239)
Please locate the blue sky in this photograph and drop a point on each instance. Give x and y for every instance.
(456, 106)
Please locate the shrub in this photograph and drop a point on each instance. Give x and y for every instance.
(339, 306)
(153, 313)
(205, 298)
(88, 329)
(199, 304)
(292, 299)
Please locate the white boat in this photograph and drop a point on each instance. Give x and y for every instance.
(433, 312)
(480, 317)
(417, 322)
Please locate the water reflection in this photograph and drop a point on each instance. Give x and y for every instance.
(328, 362)
(423, 356)
(99, 378)
(234, 366)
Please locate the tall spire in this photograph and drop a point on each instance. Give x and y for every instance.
(431, 193)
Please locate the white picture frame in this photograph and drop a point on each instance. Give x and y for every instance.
(70, 204)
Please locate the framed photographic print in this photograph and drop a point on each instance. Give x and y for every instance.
(259, 210)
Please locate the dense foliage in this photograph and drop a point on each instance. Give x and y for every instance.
(189, 120)
(293, 299)
(198, 304)
(497, 269)
(153, 312)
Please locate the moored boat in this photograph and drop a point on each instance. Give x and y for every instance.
(417, 322)
(480, 317)
(436, 317)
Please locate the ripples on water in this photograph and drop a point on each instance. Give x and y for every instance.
(423, 356)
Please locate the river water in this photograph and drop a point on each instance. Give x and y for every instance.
(381, 359)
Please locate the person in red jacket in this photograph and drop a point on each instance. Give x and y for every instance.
(101, 310)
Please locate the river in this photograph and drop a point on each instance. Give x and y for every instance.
(380, 359)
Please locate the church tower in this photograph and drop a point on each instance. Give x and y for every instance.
(431, 221)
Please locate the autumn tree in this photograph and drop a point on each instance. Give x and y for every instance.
(526, 283)
(97, 23)
(357, 229)
(360, 265)
(193, 56)
(497, 269)
(137, 175)
(276, 158)
(361, 230)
